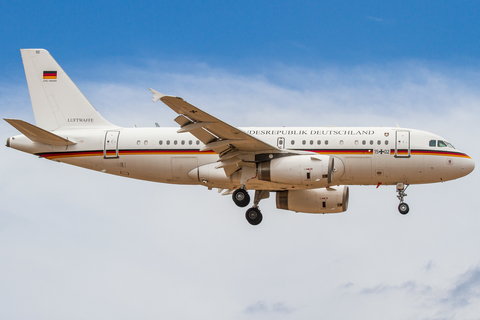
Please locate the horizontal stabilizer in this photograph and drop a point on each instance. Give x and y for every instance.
(37, 134)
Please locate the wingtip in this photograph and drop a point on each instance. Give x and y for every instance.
(156, 95)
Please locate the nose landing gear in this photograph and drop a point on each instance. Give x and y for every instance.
(403, 208)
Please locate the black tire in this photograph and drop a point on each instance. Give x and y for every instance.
(254, 216)
(241, 197)
(403, 208)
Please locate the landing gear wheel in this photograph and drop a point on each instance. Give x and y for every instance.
(254, 216)
(403, 208)
(241, 197)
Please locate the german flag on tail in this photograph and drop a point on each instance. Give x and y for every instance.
(49, 74)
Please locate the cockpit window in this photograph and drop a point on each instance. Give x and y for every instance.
(442, 143)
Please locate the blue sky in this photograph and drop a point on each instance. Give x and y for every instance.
(249, 33)
(80, 244)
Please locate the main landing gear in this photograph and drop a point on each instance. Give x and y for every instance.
(242, 199)
(403, 208)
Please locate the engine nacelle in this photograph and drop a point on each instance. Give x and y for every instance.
(298, 170)
(210, 173)
(325, 200)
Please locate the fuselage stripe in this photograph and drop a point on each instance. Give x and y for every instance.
(130, 152)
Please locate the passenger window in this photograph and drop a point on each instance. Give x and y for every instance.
(379, 142)
(160, 142)
(183, 142)
(433, 143)
(145, 142)
(198, 142)
(175, 142)
(138, 142)
(371, 142)
(311, 141)
(341, 142)
(386, 142)
(356, 142)
(190, 142)
(293, 142)
(319, 142)
(168, 142)
(304, 142)
(326, 141)
(364, 142)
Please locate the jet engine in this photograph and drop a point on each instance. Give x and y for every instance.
(324, 200)
(298, 170)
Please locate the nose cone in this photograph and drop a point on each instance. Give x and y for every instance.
(467, 166)
(470, 165)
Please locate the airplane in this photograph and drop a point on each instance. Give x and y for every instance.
(309, 168)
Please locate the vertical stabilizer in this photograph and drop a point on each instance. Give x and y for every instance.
(57, 102)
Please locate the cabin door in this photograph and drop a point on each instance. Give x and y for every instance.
(110, 149)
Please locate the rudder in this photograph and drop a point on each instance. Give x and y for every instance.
(57, 102)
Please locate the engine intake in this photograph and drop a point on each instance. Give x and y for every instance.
(298, 170)
(325, 200)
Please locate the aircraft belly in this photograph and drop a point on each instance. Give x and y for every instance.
(413, 170)
(181, 166)
(358, 169)
(82, 162)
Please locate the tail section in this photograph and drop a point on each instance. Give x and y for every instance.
(37, 134)
(57, 102)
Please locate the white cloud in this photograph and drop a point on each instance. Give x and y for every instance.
(79, 242)
(261, 307)
(376, 19)
(467, 290)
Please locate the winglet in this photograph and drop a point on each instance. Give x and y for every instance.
(156, 95)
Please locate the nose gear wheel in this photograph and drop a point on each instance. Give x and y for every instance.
(403, 208)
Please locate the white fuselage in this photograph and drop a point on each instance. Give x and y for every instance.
(362, 156)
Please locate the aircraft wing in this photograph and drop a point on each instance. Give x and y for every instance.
(217, 135)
